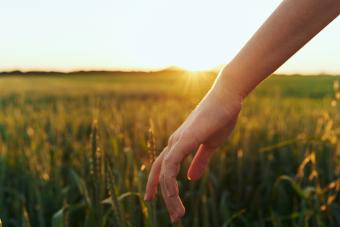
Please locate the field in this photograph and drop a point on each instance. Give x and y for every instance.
(75, 150)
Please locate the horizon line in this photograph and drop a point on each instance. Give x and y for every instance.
(145, 70)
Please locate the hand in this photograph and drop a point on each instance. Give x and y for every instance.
(204, 130)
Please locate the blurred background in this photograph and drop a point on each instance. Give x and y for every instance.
(91, 90)
(195, 35)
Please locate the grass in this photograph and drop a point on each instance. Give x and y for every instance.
(76, 151)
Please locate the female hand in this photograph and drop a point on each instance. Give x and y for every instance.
(290, 27)
(204, 130)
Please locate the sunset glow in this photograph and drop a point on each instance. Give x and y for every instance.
(130, 34)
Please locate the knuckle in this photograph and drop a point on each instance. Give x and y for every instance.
(185, 136)
(171, 139)
(189, 138)
(156, 160)
(167, 159)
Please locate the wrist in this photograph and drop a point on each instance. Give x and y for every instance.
(229, 97)
(228, 85)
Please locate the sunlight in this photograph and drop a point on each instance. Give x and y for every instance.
(194, 82)
(197, 67)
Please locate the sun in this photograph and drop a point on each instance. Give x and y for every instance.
(196, 67)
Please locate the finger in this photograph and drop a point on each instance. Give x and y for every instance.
(170, 169)
(171, 164)
(153, 179)
(174, 205)
(200, 162)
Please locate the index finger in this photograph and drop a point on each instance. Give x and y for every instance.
(153, 179)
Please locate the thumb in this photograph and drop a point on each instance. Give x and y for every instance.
(200, 162)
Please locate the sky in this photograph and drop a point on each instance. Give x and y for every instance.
(68, 35)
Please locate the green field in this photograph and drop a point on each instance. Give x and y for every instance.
(75, 150)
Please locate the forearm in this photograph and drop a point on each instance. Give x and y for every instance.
(289, 28)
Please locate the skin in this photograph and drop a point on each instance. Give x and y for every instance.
(290, 27)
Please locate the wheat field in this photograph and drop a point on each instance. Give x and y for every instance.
(75, 150)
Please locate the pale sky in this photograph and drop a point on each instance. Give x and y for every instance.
(111, 34)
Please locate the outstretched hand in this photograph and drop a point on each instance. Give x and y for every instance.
(204, 130)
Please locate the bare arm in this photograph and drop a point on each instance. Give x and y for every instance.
(291, 26)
